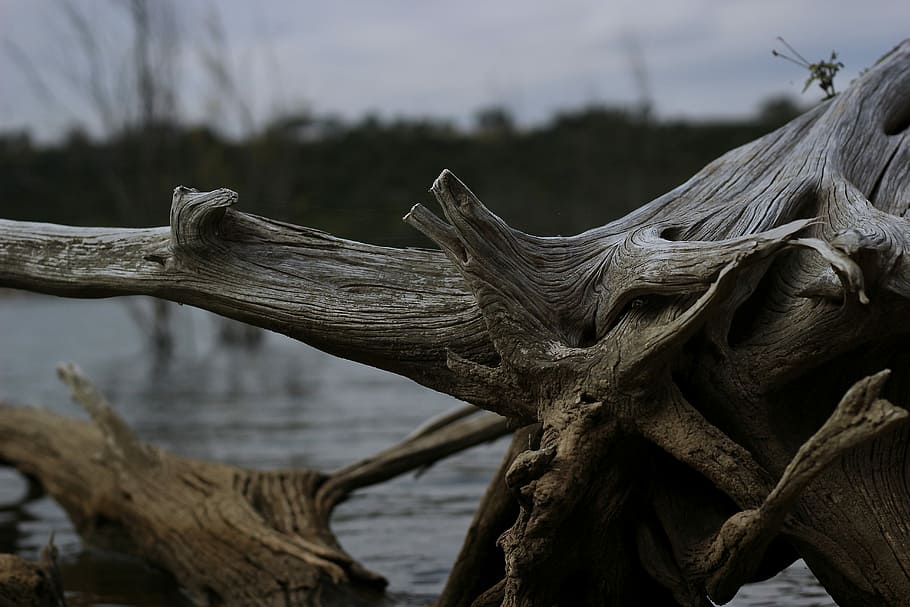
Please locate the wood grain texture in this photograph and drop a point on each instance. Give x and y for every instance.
(27, 584)
(229, 535)
(706, 371)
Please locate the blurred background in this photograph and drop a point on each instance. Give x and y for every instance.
(339, 115)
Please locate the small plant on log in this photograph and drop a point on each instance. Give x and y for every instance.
(822, 72)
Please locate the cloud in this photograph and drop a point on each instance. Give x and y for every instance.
(701, 57)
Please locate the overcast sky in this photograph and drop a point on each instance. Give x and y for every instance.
(699, 58)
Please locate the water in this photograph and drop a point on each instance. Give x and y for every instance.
(286, 405)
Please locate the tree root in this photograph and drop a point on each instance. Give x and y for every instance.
(734, 554)
(591, 396)
(479, 566)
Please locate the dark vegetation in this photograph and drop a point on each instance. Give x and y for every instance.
(582, 169)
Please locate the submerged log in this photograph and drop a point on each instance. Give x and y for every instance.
(229, 535)
(710, 371)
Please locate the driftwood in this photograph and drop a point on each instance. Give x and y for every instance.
(709, 372)
(230, 536)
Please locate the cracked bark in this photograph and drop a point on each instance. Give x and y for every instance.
(708, 371)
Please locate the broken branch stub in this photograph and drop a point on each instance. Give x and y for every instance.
(196, 216)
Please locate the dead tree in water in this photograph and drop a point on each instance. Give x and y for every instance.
(229, 535)
(710, 373)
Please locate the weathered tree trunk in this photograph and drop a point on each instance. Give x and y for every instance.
(231, 536)
(709, 371)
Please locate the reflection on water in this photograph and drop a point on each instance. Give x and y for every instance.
(282, 404)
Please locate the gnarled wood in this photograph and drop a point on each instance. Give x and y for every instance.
(479, 565)
(685, 362)
(229, 535)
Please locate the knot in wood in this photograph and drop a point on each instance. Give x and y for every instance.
(196, 216)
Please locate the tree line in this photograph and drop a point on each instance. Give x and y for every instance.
(355, 179)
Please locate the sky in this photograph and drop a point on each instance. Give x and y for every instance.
(428, 58)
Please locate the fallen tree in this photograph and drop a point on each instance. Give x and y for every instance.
(229, 535)
(710, 372)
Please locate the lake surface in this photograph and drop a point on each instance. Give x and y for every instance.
(282, 405)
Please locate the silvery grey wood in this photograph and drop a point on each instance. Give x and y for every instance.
(708, 372)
